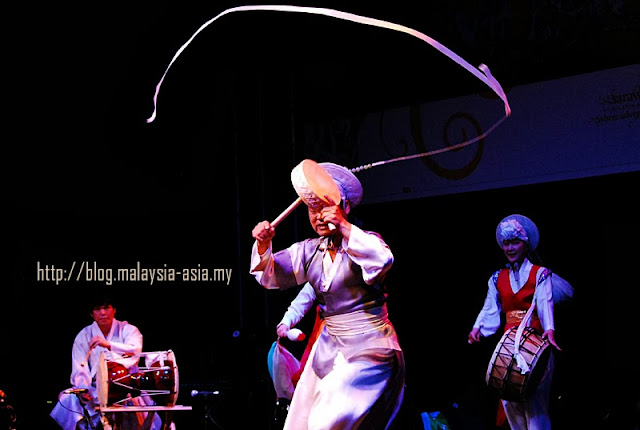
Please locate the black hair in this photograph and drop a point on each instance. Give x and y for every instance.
(99, 299)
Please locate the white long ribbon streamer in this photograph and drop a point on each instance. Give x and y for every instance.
(482, 72)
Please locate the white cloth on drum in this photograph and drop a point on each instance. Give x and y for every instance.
(520, 360)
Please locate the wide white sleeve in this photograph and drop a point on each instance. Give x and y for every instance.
(290, 261)
(262, 267)
(369, 252)
(544, 299)
(299, 306)
(488, 319)
(80, 371)
(130, 343)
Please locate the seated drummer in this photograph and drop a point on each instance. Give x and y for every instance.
(121, 342)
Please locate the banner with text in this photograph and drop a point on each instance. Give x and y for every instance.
(580, 126)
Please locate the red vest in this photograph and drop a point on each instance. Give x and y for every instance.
(521, 301)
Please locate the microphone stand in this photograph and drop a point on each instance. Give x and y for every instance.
(207, 414)
(85, 412)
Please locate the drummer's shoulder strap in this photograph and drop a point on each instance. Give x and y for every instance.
(545, 274)
(494, 277)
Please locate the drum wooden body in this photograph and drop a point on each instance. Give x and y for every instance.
(157, 381)
(503, 374)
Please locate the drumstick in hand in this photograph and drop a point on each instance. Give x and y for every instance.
(331, 203)
(86, 358)
(286, 212)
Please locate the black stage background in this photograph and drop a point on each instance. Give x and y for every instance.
(92, 182)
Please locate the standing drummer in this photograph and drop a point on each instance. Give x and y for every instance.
(120, 341)
(511, 292)
(356, 374)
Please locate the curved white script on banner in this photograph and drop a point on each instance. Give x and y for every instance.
(482, 72)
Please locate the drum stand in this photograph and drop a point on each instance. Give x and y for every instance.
(166, 421)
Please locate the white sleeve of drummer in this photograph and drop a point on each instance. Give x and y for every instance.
(488, 320)
(80, 372)
(369, 252)
(544, 301)
(299, 306)
(130, 341)
(263, 266)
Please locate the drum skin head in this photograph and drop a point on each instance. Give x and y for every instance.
(312, 182)
(102, 381)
